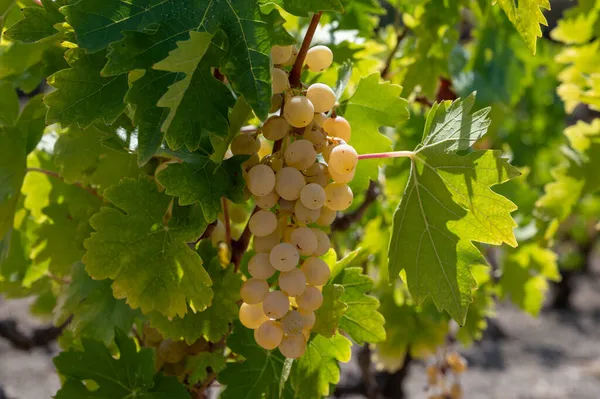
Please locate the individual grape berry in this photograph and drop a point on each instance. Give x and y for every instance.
(292, 58)
(262, 223)
(260, 266)
(275, 128)
(456, 391)
(327, 148)
(316, 137)
(321, 96)
(286, 206)
(292, 323)
(312, 196)
(305, 240)
(305, 215)
(269, 334)
(323, 242)
(343, 159)
(326, 216)
(261, 180)
(276, 164)
(309, 318)
(218, 234)
(292, 346)
(457, 363)
(298, 111)
(289, 183)
(311, 298)
(284, 257)
(254, 291)
(276, 304)
(152, 337)
(342, 178)
(316, 271)
(171, 351)
(276, 101)
(280, 54)
(279, 80)
(266, 243)
(244, 144)
(292, 283)
(319, 119)
(252, 316)
(266, 201)
(432, 374)
(250, 163)
(338, 127)
(300, 154)
(338, 196)
(318, 58)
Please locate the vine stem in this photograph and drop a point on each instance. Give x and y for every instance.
(59, 177)
(297, 68)
(392, 154)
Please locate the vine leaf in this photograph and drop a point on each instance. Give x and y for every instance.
(303, 8)
(38, 23)
(258, 375)
(146, 253)
(318, 369)
(329, 314)
(198, 365)
(526, 16)
(132, 374)
(447, 204)
(372, 106)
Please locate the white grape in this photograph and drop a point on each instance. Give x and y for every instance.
(300, 154)
(338, 127)
(289, 183)
(279, 80)
(316, 271)
(260, 267)
(286, 206)
(319, 119)
(298, 111)
(323, 242)
(311, 298)
(252, 316)
(254, 291)
(292, 323)
(275, 128)
(269, 334)
(261, 180)
(244, 144)
(305, 240)
(266, 201)
(218, 234)
(318, 58)
(292, 346)
(276, 164)
(276, 304)
(280, 54)
(316, 137)
(309, 318)
(292, 283)
(305, 215)
(284, 257)
(288, 229)
(321, 96)
(266, 243)
(292, 58)
(343, 158)
(327, 148)
(262, 223)
(251, 162)
(326, 217)
(276, 101)
(342, 178)
(312, 196)
(338, 196)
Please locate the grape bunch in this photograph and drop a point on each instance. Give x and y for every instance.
(439, 374)
(298, 189)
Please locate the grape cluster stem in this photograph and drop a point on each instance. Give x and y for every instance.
(296, 71)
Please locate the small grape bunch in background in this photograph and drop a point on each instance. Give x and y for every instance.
(443, 377)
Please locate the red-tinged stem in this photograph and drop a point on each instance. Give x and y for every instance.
(57, 176)
(227, 221)
(297, 68)
(393, 154)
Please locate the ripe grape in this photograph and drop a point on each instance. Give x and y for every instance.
(343, 159)
(318, 58)
(457, 363)
(305, 215)
(316, 271)
(261, 180)
(311, 298)
(280, 80)
(275, 128)
(276, 101)
(280, 54)
(171, 351)
(327, 148)
(321, 96)
(289, 183)
(254, 291)
(316, 137)
(276, 164)
(319, 119)
(292, 323)
(151, 336)
(262, 223)
(269, 334)
(292, 346)
(244, 144)
(292, 58)
(305, 240)
(276, 304)
(432, 374)
(286, 206)
(218, 234)
(266, 201)
(284, 257)
(266, 243)
(326, 217)
(309, 318)
(323, 242)
(312, 196)
(292, 283)
(260, 267)
(338, 127)
(338, 196)
(300, 154)
(298, 111)
(252, 316)
(251, 162)
(341, 178)
(456, 391)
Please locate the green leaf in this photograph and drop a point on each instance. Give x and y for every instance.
(317, 370)
(82, 95)
(131, 375)
(12, 171)
(343, 78)
(303, 8)
(480, 310)
(198, 365)
(238, 116)
(372, 106)
(198, 179)
(37, 24)
(526, 16)
(32, 122)
(329, 314)
(276, 31)
(146, 253)
(95, 312)
(258, 375)
(5, 8)
(447, 204)
(9, 104)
